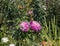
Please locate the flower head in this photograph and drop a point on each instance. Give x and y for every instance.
(12, 45)
(34, 25)
(5, 39)
(30, 12)
(24, 26)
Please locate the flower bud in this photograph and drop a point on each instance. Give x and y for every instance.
(30, 12)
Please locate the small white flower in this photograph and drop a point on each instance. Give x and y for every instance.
(44, 7)
(12, 45)
(5, 39)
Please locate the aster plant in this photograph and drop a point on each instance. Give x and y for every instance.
(24, 23)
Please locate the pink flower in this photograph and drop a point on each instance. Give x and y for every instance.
(24, 26)
(30, 12)
(34, 25)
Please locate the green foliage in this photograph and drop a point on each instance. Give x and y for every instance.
(12, 12)
(50, 32)
(53, 9)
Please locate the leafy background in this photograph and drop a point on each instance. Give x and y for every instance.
(12, 12)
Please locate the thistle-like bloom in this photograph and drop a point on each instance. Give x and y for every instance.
(34, 25)
(5, 39)
(24, 26)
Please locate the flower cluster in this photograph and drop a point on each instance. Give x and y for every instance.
(12, 44)
(34, 25)
(5, 40)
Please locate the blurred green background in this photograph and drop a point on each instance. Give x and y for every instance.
(47, 12)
